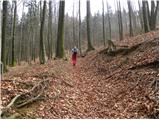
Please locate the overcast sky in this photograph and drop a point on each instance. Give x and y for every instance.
(96, 5)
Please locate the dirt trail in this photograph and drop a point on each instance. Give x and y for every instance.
(68, 79)
(99, 86)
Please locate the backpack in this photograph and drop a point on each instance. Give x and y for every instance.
(74, 50)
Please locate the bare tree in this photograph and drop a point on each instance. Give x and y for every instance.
(125, 20)
(103, 22)
(80, 28)
(13, 33)
(145, 16)
(74, 38)
(0, 40)
(3, 56)
(120, 21)
(21, 34)
(50, 38)
(109, 19)
(141, 15)
(90, 47)
(130, 18)
(153, 14)
(60, 34)
(42, 49)
(9, 53)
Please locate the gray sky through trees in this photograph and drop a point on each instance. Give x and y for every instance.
(96, 5)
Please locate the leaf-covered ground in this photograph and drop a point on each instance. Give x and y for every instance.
(124, 84)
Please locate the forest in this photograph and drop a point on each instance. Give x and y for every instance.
(79, 59)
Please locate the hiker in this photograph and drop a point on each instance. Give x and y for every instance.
(74, 55)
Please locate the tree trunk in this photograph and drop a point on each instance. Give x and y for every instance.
(153, 15)
(134, 18)
(42, 50)
(21, 39)
(120, 21)
(145, 16)
(10, 40)
(13, 33)
(80, 28)
(109, 21)
(0, 40)
(90, 47)
(141, 15)
(50, 39)
(125, 20)
(130, 18)
(74, 39)
(60, 34)
(3, 56)
(103, 22)
(55, 28)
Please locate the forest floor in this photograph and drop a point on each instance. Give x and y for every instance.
(124, 84)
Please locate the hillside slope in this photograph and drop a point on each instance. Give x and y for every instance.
(123, 84)
(127, 80)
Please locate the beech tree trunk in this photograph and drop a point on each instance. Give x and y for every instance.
(13, 33)
(145, 16)
(120, 21)
(21, 39)
(141, 15)
(3, 55)
(60, 34)
(130, 19)
(103, 22)
(0, 41)
(42, 49)
(80, 28)
(74, 38)
(50, 38)
(90, 47)
(153, 15)
(109, 21)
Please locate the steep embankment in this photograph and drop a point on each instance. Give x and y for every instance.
(126, 81)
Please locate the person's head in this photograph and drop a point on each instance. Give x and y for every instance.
(75, 47)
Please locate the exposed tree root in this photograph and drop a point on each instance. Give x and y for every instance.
(110, 49)
(111, 46)
(90, 49)
(153, 64)
(125, 50)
